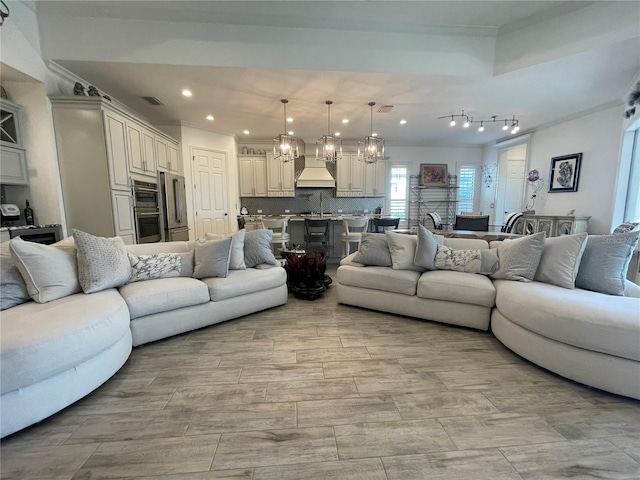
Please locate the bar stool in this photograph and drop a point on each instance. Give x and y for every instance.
(353, 229)
(316, 232)
(382, 224)
(279, 227)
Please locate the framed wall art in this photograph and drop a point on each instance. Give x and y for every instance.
(565, 173)
(433, 174)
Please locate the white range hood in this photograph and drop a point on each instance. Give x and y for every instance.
(315, 174)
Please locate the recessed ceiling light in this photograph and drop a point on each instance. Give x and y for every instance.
(210, 117)
(403, 121)
(345, 120)
(289, 119)
(186, 93)
(337, 134)
(246, 132)
(374, 134)
(290, 132)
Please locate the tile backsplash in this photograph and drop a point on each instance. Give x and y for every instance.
(308, 200)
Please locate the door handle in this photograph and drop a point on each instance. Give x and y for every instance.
(225, 214)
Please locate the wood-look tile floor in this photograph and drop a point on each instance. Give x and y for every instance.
(317, 390)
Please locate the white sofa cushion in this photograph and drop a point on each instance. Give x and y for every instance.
(41, 340)
(242, 282)
(593, 321)
(457, 287)
(379, 278)
(163, 294)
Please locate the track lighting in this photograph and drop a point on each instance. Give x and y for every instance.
(512, 123)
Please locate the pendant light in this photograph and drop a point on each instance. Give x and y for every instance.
(372, 148)
(329, 147)
(285, 146)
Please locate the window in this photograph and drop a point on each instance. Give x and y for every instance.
(398, 195)
(467, 188)
(632, 210)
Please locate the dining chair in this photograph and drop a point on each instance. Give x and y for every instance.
(354, 227)
(512, 222)
(382, 224)
(477, 224)
(279, 226)
(436, 219)
(316, 232)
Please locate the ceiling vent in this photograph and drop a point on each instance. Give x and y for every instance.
(386, 108)
(153, 101)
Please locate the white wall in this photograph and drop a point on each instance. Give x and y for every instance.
(191, 137)
(597, 136)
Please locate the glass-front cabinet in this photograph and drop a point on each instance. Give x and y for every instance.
(554, 225)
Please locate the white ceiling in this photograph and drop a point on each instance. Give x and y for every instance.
(554, 83)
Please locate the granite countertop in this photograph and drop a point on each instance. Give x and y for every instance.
(20, 227)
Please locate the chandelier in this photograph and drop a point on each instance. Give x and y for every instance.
(285, 146)
(372, 148)
(507, 123)
(329, 147)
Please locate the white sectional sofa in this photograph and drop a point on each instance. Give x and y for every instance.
(52, 354)
(585, 336)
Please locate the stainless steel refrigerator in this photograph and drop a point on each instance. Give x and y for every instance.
(174, 207)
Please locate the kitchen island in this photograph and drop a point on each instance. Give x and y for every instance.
(296, 229)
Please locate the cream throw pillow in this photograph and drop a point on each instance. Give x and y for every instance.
(402, 248)
(102, 262)
(49, 271)
(561, 259)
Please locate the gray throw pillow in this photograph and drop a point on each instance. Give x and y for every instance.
(483, 261)
(13, 290)
(237, 248)
(427, 247)
(257, 248)
(49, 271)
(605, 261)
(212, 258)
(373, 250)
(561, 259)
(159, 265)
(102, 262)
(519, 258)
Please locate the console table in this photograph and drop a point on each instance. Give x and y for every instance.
(554, 225)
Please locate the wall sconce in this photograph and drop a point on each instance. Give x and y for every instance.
(536, 183)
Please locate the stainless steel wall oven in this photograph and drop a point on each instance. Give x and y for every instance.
(146, 207)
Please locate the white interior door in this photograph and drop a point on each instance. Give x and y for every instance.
(210, 192)
(511, 181)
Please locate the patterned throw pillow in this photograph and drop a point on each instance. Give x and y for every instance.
(160, 265)
(469, 261)
(257, 248)
(102, 262)
(519, 258)
(625, 227)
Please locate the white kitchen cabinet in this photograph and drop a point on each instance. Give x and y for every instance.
(96, 142)
(375, 179)
(123, 220)
(162, 153)
(149, 152)
(116, 142)
(350, 173)
(13, 166)
(253, 176)
(175, 166)
(140, 143)
(280, 178)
